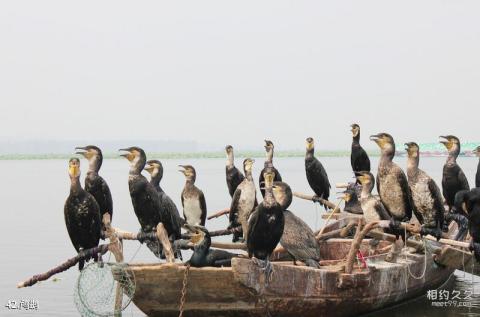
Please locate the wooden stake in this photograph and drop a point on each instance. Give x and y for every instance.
(219, 213)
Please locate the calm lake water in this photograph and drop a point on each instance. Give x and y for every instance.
(34, 238)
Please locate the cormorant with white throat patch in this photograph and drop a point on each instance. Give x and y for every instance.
(193, 199)
(426, 196)
(392, 183)
(244, 201)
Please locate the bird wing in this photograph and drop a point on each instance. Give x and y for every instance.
(437, 200)
(463, 180)
(381, 211)
(203, 206)
(233, 216)
(407, 197)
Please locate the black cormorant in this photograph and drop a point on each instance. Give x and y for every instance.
(471, 207)
(458, 214)
(352, 203)
(426, 196)
(82, 213)
(193, 200)
(453, 179)
(155, 169)
(477, 176)
(146, 201)
(265, 227)
(244, 201)
(392, 183)
(94, 183)
(234, 176)
(358, 158)
(269, 147)
(297, 238)
(203, 255)
(316, 175)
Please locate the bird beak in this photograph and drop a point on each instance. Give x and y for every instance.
(407, 146)
(475, 151)
(374, 138)
(443, 141)
(182, 170)
(125, 155)
(80, 150)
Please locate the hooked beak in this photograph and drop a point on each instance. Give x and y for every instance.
(125, 155)
(182, 170)
(374, 137)
(445, 141)
(80, 150)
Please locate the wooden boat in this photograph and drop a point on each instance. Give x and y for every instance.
(240, 290)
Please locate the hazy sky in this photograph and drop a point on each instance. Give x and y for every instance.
(222, 72)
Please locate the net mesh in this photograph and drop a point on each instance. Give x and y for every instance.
(97, 286)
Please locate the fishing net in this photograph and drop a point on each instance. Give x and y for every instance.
(97, 287)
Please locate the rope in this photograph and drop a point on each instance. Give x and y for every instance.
(136, 252)
(408, 266)
(184, 290)
(330, 216)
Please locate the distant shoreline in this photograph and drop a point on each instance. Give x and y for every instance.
(207, 155)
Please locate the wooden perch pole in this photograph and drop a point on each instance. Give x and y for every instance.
(357, 241)
(226, 232)
(219, 213)
(101, 249)
(167, 247)
(325, 202)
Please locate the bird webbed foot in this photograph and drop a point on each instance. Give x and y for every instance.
(436, 232)
(267, 268)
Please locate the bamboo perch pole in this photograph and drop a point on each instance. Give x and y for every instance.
(219, 213)
(325, 202)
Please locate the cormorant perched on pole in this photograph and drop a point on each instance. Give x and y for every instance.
(297, 238)
(193, 200)
(269, 147)
(477, 176)
(358, 158)
(392, 183)
(234, 176)
(146, 201)
(244, 201)
(316, 175)
(453, 179)
(94, 183)
(265, 228)
(82, 214)
(426, 196)
(155, 169)
(203, 255)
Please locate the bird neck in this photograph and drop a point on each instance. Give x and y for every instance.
(137, 165)
(94, 164)
(412, 163)
(310, 153)
(269, 199)
(269, 155)
(190, 182)
(248, 175)
(387, 156)
(452, 157)
(75, 186)
(155, 179)
(356, 139)
(366, 191)
(230, 159)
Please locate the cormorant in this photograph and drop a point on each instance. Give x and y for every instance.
(146, 201)
(426, 196)
(234, 176)
(82, 213)
(352, 203)
(297, 238)
(155, 169)
(477, 176)
(268, 166)
(203, 255)
(316, 175)
(373, 208)
(471, 206)
(392, 184)
(358, 158)
(453, 177)
(265, 228)
(459, 215)
(244, 201)
(94, 183)
(193, 200)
